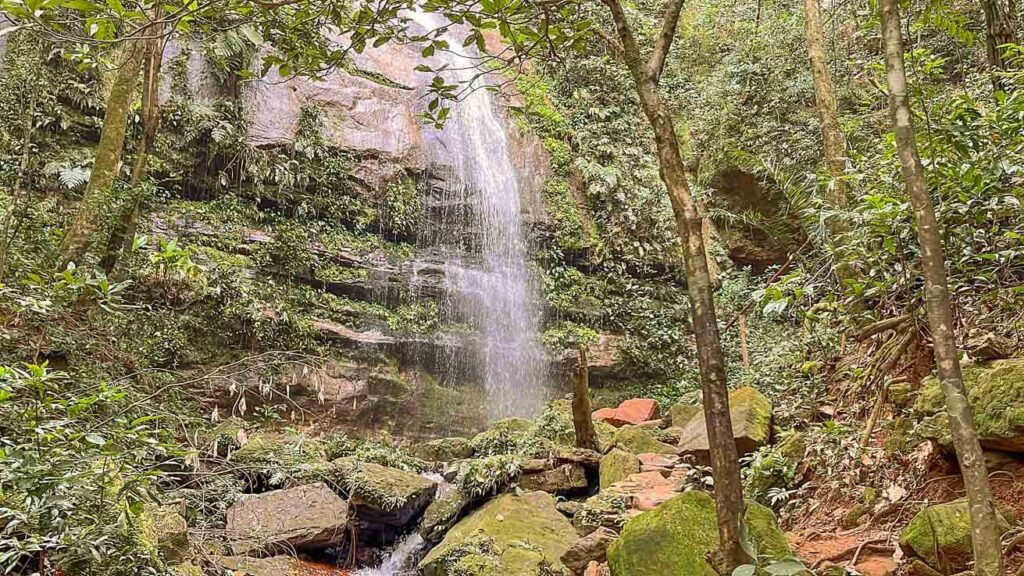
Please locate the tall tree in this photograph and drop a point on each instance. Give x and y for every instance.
(90, 215)
(825, 103)
(984, 528)
(646, 74)
(124, 229)
(999, 30)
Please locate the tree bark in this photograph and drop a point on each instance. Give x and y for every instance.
(984, 528)
(724, 460)
(999, 30)
(18, 209)
(122, 236)
(88, 218)
(825, 103)
(582, 421)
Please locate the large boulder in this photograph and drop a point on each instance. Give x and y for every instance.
(996, 393)
(751, 414)
(553, 477)
(591, 548)
(164, 529)
(442, 513)
(521, 535)
(940, 536)
(632, 411)
(444, 450)
(301, 518)
(676, 537)
(639, 440)
(382, 495)
(617, 465)
(246, 566)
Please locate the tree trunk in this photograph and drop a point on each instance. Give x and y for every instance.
(825, 103)
(95, 202)
(18, 209)
(689, 226)
(123, 235)
(984, 528)
(582, 421)
(999, 30)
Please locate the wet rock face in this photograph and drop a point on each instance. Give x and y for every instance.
(306, 517)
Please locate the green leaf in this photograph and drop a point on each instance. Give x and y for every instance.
(95, 439)
(745, 570)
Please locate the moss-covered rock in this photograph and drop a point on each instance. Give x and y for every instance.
(521, 535)
(751, 414)
(682, 412)
(503, 437)
(445, 450)
(616, 466)
(640, 441)
(940, 536)
(996, 392)
(270, 461)
(442, 514)
(163, 529)
(380, 494)
(676, 537)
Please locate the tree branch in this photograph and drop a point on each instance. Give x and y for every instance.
(669, 23)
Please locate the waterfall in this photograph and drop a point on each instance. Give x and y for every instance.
(400, 560)
(476, 228)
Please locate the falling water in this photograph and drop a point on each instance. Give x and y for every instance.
(400, 560)
(478, 231)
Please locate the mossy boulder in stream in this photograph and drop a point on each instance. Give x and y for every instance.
(512, 535)
(676, 537)
(940, 535)
(996, 393)
(382, 495)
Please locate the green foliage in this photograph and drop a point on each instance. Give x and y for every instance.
(77, 462)
(768, 475)
(487, 476)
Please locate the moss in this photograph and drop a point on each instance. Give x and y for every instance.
(940, 535)
(639, 441)
(753, 408)
(511, 534)
(676, 537)
(996, 393)
(380, 487)
(681, 413)
(270, 461)
(163, 529)
(444, 450)
(503, 437)
(617, 465)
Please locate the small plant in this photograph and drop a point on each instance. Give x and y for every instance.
(768, 475)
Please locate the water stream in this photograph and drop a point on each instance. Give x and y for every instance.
(474, 226)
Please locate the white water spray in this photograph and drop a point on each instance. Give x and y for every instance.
(492, 285)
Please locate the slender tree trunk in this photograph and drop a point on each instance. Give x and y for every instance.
(825, 103)
(88, 219)
(17, 210)
(689, 226)
(582, 421)
(984, 528)
(999, 30)
(121, 237)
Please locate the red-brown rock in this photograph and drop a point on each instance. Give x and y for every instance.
(635, 411)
